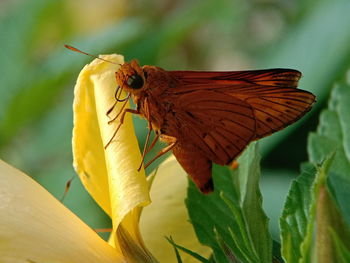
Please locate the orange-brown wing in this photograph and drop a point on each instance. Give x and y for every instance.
(272, 93)
(210, 127)
(266, 77)
(196, 164)
(220, 126)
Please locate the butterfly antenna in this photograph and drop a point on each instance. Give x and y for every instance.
(82, 52)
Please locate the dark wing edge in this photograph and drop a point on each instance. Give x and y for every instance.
(279, 108)
(274, 77)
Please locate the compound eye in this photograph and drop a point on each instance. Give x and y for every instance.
(135, 81)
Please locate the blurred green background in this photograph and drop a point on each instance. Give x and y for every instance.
(37, 74)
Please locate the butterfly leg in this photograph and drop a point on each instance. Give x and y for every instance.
(145, 146)
(120, 124)
(153, 143)
(145, 149)
(150, 128)
(169, 139)
(120, 112)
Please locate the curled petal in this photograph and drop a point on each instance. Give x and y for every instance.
(110, 175)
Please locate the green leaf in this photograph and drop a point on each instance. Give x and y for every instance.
(190, 252)
(296, 222)
(340, 104)
(333, 213)
(177, 253)
(308, 206)
(333, 135)
(251, 202)
(227, 251)
(233, 212)
(339, 189)
(343, 253)
(318, 199)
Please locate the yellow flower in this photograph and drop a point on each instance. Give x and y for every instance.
(111, 175)
(35, 227)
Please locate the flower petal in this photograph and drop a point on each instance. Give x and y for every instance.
(107, 174)
(35, 227)
(110, 175)
(167, 215)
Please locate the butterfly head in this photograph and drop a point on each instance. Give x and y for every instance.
(130, 77)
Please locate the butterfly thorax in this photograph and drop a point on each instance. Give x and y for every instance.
(153, 101)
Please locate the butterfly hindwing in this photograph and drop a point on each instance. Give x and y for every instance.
(196, 164)
(219, 125)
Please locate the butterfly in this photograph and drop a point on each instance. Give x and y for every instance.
(207, 117)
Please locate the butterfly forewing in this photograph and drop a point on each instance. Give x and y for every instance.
(272, 93)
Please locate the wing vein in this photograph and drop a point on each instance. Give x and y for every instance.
(277, 103)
